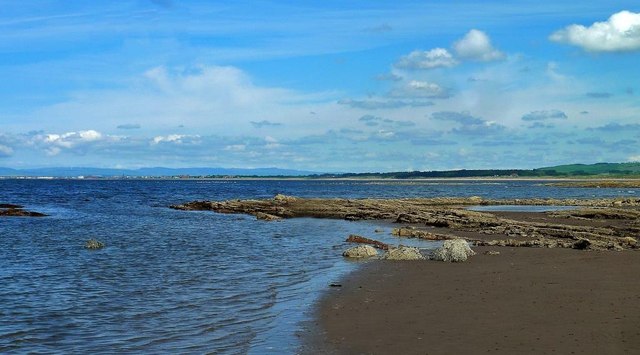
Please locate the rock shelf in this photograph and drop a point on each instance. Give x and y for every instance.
(602, 224)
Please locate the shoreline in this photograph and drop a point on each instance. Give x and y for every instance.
(525, 300)
(554, 282)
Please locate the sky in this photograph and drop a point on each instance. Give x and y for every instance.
(329, 86)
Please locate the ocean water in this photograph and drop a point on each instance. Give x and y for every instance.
(176, 281)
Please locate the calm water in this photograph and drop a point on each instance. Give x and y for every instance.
(172, 281)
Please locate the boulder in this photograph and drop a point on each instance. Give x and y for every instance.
(361, 251)
(455, 250)
(93, 244)
(404, 253)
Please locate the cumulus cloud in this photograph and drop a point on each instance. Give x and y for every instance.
(621, 32)
(264, 123)
(176, 139)
(421, 89)
(129, 126)
(79, 141)
(544, 115)
(434, 58)
(476, 45)
(383, 104)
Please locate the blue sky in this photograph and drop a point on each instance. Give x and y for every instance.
(324, 86)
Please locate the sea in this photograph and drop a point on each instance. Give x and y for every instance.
(172, 281)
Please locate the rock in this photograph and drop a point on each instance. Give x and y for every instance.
(9, 205)
(363, 240)
(475, 199)
(404, 253)
(361, 251)
(491, 252)
(93, 244)
(582, 244)
(630, 241)
(19, 212)
(283, 198)
(267, 217)
(411, 232)
(455, 250)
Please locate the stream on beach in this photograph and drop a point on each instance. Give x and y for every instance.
(177, 281)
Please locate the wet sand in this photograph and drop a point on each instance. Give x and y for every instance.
(525, 300)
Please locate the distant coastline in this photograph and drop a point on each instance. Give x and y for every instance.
(609, 171)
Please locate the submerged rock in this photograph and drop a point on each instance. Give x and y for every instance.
(491, 252)
(404, 253)
(267, 217)
(361, 251)
(456, 250)
(93, 244)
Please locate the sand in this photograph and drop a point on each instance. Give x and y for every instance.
(525, 300)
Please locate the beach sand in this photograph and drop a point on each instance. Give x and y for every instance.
(525, 300)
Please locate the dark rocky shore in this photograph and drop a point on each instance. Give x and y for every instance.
(601, 224)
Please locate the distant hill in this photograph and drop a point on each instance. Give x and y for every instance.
(154, 172)
(604, 170)
(574, 170)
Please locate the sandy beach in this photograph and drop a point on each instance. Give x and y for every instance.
(525, 300)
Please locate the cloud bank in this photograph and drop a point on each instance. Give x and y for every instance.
(620, 33)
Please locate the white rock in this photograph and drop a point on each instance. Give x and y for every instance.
(404, 253)
(455, 250)
(361, 251)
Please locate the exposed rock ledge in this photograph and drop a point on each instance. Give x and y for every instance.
(11, 210)
(450, 213)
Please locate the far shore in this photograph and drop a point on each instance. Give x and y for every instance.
(293, 178)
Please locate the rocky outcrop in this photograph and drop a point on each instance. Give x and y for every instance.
(455, 250)
(11, 210)
(412, 232)
(361, 251)
(363, 240)
(451, 213)
(404, 253)
(93, 244)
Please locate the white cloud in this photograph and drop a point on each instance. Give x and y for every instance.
(422, 89)
(621, 32)
(476, 45)
(634, 158)
(435, 58)
(5, 151)
(54, 143)
(176, 139)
